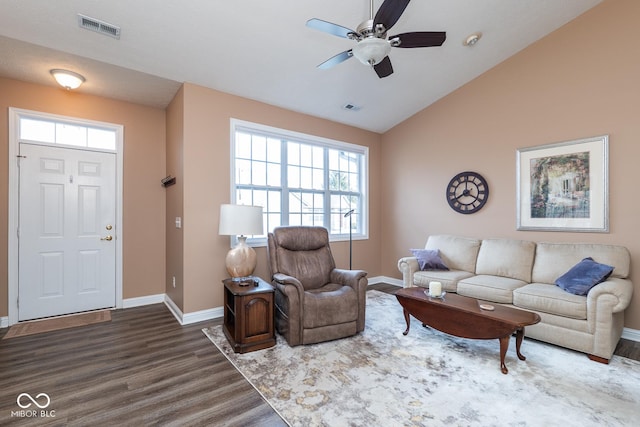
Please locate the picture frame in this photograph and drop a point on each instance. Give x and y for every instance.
(564, 186)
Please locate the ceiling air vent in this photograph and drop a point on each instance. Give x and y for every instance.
(351, 107)
(99, 26)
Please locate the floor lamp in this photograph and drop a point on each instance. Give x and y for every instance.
(348, 215)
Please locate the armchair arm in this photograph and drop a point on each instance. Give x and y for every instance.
(283, 279)
(357, 280)
(289, 300)
(347, 277)
(408, 266)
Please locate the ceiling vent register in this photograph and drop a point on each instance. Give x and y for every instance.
(98, 26)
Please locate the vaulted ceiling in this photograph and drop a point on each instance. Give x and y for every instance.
(262, 50)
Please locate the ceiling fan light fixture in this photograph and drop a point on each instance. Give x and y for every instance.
(372, 50)
(67, 79)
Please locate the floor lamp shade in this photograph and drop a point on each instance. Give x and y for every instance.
(241, 221)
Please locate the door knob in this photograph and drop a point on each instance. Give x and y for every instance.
(108, 238)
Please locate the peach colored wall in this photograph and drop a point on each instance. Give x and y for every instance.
(175, 199)
(207, 115)
(144, 166)
(580, 81)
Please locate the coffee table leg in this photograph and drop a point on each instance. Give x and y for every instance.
(406, 318)
(504, 345)
(519, 337)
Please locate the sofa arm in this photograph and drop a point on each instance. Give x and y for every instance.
(620, 289)
(408, 266)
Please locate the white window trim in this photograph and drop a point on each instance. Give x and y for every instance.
(236, 124)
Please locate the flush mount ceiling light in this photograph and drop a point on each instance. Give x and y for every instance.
(472, 39)
(67, 79)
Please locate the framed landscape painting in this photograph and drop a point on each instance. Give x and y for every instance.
(564, 186)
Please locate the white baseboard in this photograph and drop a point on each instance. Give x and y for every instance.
(631, 334)
(4, 322)
(140, 301)
(196, 316)
(384, 279)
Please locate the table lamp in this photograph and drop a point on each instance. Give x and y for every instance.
(241, 221)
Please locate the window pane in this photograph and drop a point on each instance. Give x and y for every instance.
(71, 135)
(258, 173)
(259, 148)
(259, 198)
(273, 174)
(305, 178)
(293, 153)
(273, 150)
(295, 202)
(318, 179)
(102, 139)
(273, 201)
(243, 172)
(37, 130)
(243, 145)
(243, 197)
(293, 175)
(305, 155)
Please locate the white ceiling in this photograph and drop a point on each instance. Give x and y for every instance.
(262, 50)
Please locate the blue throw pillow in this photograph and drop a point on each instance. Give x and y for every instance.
(584, 276)
(429, 259)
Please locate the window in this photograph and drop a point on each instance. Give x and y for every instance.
(66, 134)
(299, 179)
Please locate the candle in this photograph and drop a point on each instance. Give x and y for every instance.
(435, 289)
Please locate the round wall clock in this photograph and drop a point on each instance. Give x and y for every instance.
(467, 192)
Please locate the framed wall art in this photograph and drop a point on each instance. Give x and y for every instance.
(564, 186)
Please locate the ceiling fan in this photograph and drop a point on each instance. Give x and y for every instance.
(373, 46)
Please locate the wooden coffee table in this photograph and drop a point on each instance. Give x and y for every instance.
(462, 316)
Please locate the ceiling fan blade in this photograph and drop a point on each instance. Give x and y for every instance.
(335, 60)
(384, 68)
(390, 12)
(328, 27)
(420, 39)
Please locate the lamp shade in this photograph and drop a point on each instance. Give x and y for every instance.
(237, 220)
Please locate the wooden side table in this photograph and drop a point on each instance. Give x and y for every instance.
(248, 314)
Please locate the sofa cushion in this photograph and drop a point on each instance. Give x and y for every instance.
(449, 279)
(458, 253)
(490, 288)
(550, 299)
(584, 276)
(554, 259)
(429, 259)
(507, 258)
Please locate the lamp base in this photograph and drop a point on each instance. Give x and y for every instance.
(241, 260)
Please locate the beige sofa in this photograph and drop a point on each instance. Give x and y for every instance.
(521, 273)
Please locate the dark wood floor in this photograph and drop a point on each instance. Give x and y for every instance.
(142, 368)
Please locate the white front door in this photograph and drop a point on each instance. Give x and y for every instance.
(67, 214)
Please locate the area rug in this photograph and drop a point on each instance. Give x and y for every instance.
(427, 378)
(56, 323)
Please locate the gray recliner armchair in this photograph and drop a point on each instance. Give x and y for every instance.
(314, 301)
